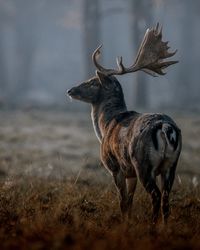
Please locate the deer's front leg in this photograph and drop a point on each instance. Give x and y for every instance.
(120, 182)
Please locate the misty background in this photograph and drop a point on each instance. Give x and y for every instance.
(46, 48)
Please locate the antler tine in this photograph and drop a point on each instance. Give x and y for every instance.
(157, 32)
(95, 56)
(120, 64)
(105, 71)
(156, 29)
(170, 54)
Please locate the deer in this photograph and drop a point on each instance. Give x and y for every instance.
(134, 146)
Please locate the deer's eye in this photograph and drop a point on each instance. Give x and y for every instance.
(93, 85)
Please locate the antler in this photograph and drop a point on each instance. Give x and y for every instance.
(150, 56)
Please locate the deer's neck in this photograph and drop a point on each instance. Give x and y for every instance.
(103, 113)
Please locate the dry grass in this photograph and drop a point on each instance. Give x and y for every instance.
(38, 214)
(55, 195)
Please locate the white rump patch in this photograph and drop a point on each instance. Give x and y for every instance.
(173, 135)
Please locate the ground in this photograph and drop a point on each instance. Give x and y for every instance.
(55, 194)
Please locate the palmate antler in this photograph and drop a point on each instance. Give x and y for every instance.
(150, 56)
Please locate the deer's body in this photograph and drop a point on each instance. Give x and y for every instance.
(133, 145)
(132, 139)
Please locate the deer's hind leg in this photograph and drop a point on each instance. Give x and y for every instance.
(131, 183)
(148, 180)
(167, 180)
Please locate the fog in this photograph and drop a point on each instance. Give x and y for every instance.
(46, 47)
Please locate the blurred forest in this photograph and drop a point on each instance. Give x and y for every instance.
(46, 47)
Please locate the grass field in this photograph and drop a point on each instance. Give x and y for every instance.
(55, 194)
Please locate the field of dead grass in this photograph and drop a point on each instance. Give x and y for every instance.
(54, 193)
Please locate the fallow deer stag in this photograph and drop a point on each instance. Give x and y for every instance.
(134, 145)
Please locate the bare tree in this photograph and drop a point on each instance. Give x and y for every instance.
(91, 29)
(140, 18)
(184, 92)
(3, 75)
(4, 81)
(25, 27)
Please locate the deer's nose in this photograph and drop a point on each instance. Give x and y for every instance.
(69, 91)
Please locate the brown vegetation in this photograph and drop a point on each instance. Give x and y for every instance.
(38, 214)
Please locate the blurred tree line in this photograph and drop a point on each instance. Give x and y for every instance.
(46, 47)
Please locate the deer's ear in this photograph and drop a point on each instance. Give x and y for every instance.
(102, 78)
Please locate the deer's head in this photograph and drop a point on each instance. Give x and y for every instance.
(150, 59)
(97, 89)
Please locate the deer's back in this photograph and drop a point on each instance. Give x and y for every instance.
(133, 139)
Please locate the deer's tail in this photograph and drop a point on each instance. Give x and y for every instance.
(166, 138)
